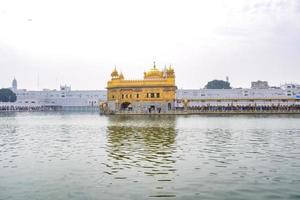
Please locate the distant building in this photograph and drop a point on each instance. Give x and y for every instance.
(289, 86)
(63, 99)
(14, 85)
(155, 92)
(259, 85)
(65, 88)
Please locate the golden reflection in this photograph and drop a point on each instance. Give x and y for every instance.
(145, 144)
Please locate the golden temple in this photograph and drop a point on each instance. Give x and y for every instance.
(156, 92)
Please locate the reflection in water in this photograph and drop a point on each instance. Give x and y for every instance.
(87, 156)
(145, 148)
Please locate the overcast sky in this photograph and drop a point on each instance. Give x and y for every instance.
(45, 43)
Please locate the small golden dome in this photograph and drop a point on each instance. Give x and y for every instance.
(170, 72)
(115, 73)
(170, 69)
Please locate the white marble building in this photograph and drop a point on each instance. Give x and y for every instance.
(63, 99)
(287, 94)
(89, 100)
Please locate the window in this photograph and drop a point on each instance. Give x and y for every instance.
(122, 96)
(158, 95)
(137, 96)
(112, 96)
(147, 95)
(152, 95)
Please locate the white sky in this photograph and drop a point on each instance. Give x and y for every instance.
(79, 42)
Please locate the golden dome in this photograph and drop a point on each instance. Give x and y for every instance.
(153, 73)
(114, 73)
(170, 72)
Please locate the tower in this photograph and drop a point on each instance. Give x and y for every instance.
(227, 79)
(14, 84)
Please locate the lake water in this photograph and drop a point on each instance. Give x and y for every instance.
(87, 156)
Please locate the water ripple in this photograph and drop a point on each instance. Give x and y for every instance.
(87, 156)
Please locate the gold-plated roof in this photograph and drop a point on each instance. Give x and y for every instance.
(152, 78)
(153, 73)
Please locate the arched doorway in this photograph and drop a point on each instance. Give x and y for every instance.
(126, 106)
(169, 106)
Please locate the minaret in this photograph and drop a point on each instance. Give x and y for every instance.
(14, 84)
(227, 79)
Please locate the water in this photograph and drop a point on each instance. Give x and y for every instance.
(87, 156)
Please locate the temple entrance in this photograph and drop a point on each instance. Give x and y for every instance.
(126, 106)
(151, 109)
(169, 106)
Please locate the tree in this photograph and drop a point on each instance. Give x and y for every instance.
(218, 84)
(6, 95)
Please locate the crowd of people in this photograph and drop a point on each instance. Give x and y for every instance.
(27, 108)
(207, 108)
(246, 108)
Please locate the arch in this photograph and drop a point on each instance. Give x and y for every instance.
(169, 106)
(126, 105)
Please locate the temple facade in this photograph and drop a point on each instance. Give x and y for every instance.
(156, 92)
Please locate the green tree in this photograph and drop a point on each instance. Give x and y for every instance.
(218, 84)
(6, 95)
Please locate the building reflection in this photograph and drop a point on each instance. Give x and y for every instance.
(145, 144)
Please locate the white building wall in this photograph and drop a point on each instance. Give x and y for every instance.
(60, 98)
(200, 97)
(224, 97)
